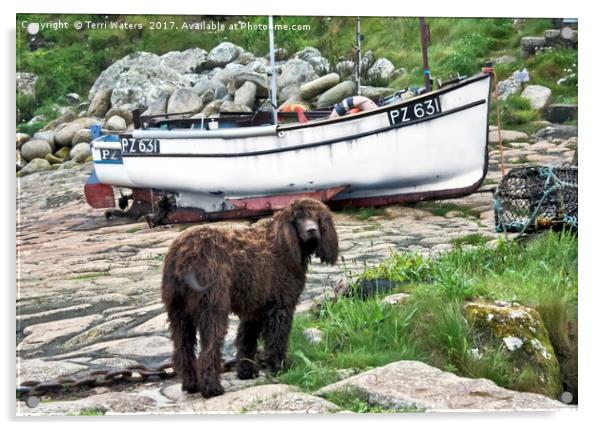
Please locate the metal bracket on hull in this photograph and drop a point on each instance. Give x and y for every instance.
(263, 203)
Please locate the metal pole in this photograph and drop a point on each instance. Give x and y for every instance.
(273, 71)
(424, 32)
(358, 52)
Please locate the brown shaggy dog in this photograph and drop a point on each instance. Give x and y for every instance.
(256, 273)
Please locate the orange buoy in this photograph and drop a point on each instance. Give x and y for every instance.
(299, 108)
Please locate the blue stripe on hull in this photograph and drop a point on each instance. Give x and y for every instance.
(108, 161)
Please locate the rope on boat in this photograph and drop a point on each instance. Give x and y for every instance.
(499, 124)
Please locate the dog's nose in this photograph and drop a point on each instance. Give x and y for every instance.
(312, 231)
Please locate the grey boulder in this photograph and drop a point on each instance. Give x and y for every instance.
(188, 61)
(80, 152)
(36, 148)
(219, 89)
(538, 95)
(116, 123)
(414, 384)
(100, 104)
(245, 95)
(345, 69)
(184, 100)
(311, 89)
(122, 112)
(380, 72)
(157, 107)
(48, 136)
(35, 165)
(337, 93)
(296, 72)
(223, 54)
(228, 106)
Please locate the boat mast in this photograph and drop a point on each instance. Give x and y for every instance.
(358, 53)
(272, 71)
(424, 32)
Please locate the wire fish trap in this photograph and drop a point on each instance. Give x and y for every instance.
(537, 197)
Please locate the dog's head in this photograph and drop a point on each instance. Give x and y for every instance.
(305, 227)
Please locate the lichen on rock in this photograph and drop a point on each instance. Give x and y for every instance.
(520, 332)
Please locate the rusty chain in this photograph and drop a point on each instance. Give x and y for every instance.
(136, 373)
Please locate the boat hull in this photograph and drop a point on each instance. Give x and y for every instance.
(371, 154)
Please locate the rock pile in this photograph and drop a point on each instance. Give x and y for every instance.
(197, 83)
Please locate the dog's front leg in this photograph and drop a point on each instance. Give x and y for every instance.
(246, 348)
(276, 330)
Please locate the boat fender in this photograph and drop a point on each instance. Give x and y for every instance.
(352, 105)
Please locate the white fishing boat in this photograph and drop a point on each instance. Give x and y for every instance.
(431, 146)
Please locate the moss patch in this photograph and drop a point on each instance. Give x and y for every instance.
(88, 276)
(521, 334)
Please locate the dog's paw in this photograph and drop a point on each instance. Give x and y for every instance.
(275, 365)
(247, 370)
(190, 387)
(212, 389)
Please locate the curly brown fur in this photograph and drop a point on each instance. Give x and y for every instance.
(257, 274)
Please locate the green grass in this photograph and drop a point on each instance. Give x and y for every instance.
(353, 332)
(489, 181)
(457, 45)
(134, 229)
(516, 110)
(353, 400)
(439, 208)
(474, 239)
(365, 213)
(430, 326)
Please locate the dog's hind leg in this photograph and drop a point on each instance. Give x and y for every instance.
(276, 329)
(213, 327)
(246, 348)
(183, 333)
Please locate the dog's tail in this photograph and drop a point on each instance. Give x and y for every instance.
(191, 280)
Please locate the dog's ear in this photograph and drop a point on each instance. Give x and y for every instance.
(286, 234)
(328, 250)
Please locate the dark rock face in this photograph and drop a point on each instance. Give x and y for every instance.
(560, 113)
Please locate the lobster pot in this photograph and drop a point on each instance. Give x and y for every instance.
(537, 197)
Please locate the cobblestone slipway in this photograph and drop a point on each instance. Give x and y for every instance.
(88, 289)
